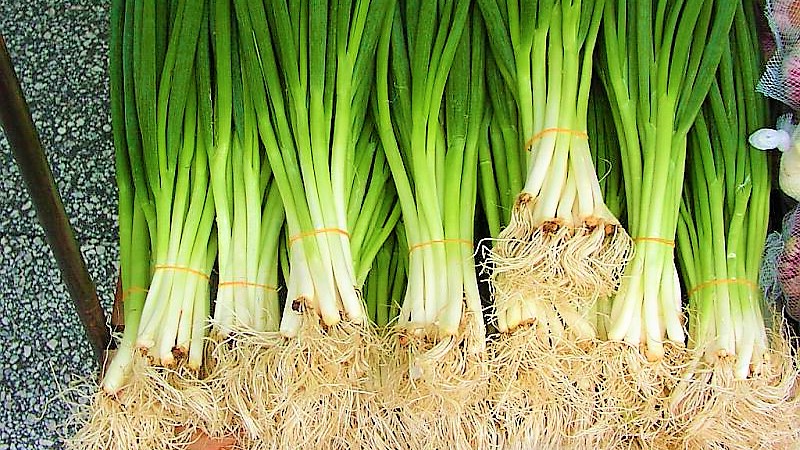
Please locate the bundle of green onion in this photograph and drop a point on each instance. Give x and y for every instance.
(743, 371)
(177, 304)
(308, 68)
(656, 84)
(166, 214)
(430, 115)
(249, 213)
(657, 64)
(562, 249)
(298, 190)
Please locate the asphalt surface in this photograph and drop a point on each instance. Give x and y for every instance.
(59, 49)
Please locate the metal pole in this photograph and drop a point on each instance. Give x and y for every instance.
(18, 125)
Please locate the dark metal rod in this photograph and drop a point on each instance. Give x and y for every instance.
(17, 123)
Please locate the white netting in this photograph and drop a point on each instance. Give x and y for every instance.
(781, 78)
(780, 268)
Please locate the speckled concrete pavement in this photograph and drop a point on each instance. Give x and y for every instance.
(59, 49)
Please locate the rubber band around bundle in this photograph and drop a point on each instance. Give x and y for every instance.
(657, 240)
(536, 137)
(132, 290)
(439, 241)
(706, 284)
(299, 236)
(266, 287)
(182, 269)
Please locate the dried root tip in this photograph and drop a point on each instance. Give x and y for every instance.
(324, 369)
(554, 227)
(434, 392)
(578, 265)
(711, 407)
(156, 409)
(543, 391)
(241, 379)
(631, 399)
(523, 208)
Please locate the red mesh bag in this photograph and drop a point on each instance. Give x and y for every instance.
(781, 78)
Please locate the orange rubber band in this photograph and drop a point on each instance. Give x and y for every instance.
(710, 283)
(656, 240)
(267, 287)
(182, 269)
(300, 236)
(536, 137)
(439, 241)
(132, 290)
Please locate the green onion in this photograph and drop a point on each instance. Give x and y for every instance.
(657, 62)
(373, 211)
(164, 205)
(315, 82)
(501, 164)
(308, 69)
(249, 212)
(134, 239)
(744, 372)
(656, 83)
(177, 170)
(726, 198)
(431, 117)
(384, 287)
(423, 154)
(605, 148)
(562, 248)
(607, 158)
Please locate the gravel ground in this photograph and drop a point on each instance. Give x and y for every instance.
(60, 53)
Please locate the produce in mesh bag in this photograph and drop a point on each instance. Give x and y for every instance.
(781, 81)
(788, 260)
(780, 271)
(785, 138)
(788, 263)
(781, 78)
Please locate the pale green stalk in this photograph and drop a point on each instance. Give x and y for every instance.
(657, 67)
(725, 211)
(544, 52)
(430, 135)
(180, 184)
(317, 80)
